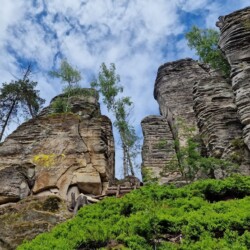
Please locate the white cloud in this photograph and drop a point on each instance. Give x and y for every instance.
(192, 5)
(136, 35)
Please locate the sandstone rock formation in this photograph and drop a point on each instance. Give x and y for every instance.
(158, 149)
(58, 153)
(192, 95)
(216, 114)
(235, 44)
(48, 158)
(29, 217)
(174, 93)
(217, 119)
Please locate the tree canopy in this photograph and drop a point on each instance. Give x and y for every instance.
(67, 73)
(108, 85)
(18, 97)
(205, 42)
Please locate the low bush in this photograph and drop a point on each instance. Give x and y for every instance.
(160, 217)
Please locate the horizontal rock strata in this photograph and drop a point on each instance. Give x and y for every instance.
(53, 153)
(235, 44)
(216, 114)
(174, 93)
(158, 151)
(196, 100)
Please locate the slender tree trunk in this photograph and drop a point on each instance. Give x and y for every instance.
(7, 119)
(125, 166)
(130, 164)
(30, 110)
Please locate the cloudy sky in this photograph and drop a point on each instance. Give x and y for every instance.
(137, 35)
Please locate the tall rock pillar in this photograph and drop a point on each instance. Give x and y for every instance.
(174, 93)
(235, 44)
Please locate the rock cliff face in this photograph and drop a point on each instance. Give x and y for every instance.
(57, 154)
(158, 148)
(173, 91)
(30, 217)
(191, 95)
(235, 43)
(217, 119)
(216, 114)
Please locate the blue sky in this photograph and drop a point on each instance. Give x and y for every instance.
(137, 35)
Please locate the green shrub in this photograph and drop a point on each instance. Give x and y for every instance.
(78, 91)
(60, 105)
(151, 217)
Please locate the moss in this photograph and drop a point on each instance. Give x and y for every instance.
(162, 144)
(238, 143)
(246, 24)
(147, 175)
(51, 204)
(238, 155)
(10, 218)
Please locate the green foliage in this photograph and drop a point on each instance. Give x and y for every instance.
(205, 42)
(147, 176)
(192, 162)
(151, 217)
(162, 144)
(108, 86)
(70, 76)
(67, 74)
(190, 158)
(60, 105)
(78, 91)
(18, 98)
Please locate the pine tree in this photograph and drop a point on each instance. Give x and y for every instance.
(17, 97)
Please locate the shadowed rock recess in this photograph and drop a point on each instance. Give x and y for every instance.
(56, 154)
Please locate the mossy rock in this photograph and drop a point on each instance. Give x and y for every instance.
(52, 204)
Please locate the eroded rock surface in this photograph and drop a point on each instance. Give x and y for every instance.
(217, 119)
(174, 93)
(158, 150)
(193, 96)
(216, 114)
(27, 218)
(54, 152)
(235, 44)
